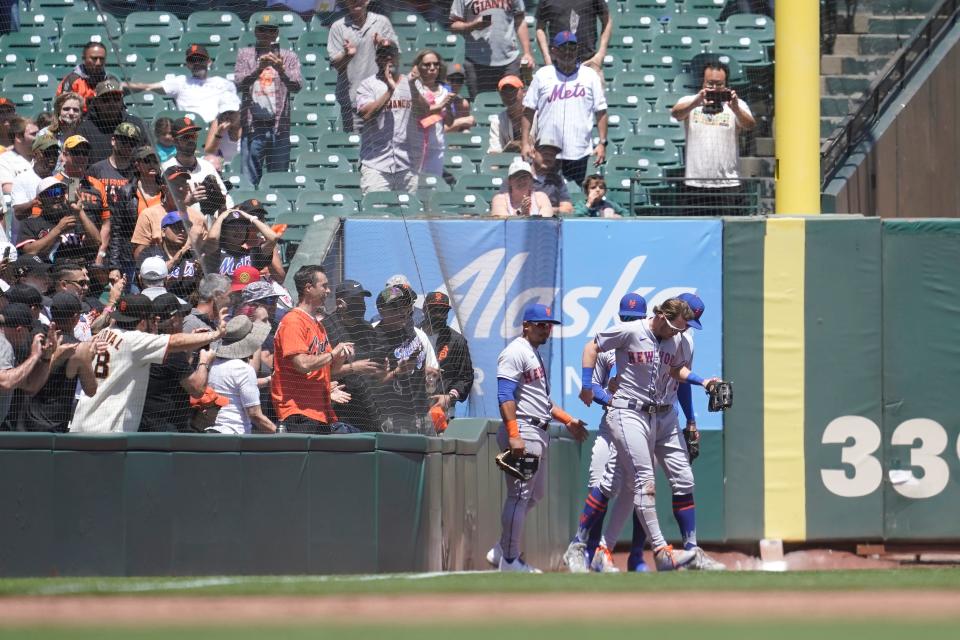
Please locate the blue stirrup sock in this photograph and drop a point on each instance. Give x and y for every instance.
(594, 508)
(685, 512)
(636, 544)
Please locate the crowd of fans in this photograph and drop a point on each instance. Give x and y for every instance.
(115, 227)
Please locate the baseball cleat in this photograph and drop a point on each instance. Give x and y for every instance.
(575, 557)
(640, 567)
(669, 559)
(494, 555)
(603, 561)
(703, 562)
(517, 566)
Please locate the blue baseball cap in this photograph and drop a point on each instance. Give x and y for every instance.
(633, 305)
(696, 305)
(539, 313)
(564, 37)
(173, 217)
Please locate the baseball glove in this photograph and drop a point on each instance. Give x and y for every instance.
(692, 438)
(522, 468)
(721, 396)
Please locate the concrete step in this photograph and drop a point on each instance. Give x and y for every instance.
(837, 107)
(889, 7)
(764, 147)
(886, 25)
(754, 167)
(844, 85)
(828, 125)
(852, 44)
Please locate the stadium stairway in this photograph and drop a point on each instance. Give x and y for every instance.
(863, 46)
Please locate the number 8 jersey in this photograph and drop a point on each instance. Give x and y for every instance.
(122, 373)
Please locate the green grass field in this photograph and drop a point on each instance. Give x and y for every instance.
(492, 582)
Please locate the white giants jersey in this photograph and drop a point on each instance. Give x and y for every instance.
(520, 362)
(122, 373)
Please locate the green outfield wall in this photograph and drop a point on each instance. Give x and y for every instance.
(839, 336)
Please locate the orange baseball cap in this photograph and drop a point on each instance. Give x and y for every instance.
(509, 81)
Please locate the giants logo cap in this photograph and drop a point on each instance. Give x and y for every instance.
(437, 299)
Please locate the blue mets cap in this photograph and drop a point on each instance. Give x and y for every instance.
(696, 305)
(172, 217)
(539, 313)
(564, 37)
(633, 305)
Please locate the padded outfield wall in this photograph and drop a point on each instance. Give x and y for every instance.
(837, 332)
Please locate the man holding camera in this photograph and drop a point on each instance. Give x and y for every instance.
(711, 119)
(207, 186)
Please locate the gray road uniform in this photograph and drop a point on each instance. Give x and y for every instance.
(520, 362)
(643, 417)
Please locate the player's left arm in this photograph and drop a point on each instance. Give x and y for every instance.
(683, 374)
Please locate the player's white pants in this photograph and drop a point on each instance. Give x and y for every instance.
(522, 496)
(603, 461)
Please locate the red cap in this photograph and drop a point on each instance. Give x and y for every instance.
(244, 276)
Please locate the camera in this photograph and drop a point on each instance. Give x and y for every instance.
(714, 101)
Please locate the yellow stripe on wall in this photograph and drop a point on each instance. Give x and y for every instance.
(784, 495)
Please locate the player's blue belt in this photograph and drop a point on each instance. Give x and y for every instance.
(535, 422)
(642, 407)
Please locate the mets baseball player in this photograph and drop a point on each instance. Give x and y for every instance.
(523, 392)
(651, 357)
(678, 472)
(605, 479)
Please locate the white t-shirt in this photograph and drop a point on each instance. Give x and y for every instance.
(567, 107)
(643, 364)
(712, 147)
(12, 164)
(201, 170)
(520, 362)
(207, 98)
(236, 381)
(122, 373)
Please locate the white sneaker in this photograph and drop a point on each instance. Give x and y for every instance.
(703, 562)
(603, 561)
(575, 557)
(517, 566)
(494, 555)
(669, 559)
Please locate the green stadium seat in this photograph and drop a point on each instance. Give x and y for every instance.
(633, 164)
(664, 65)
(55, 62)
(314, 160)
(24, 80)
(488, 100)
(326, 202)
(74, 40)
(145, 44)
(758, 26)
(428, 185)
(742, 48)
(450, 46)
(213, 41)
(325, 82)
(458, 203)
(710, 8)
(643, 28)
(345, 144)
(27, 47)
(288, 184)
(55, 9)
(225, 21)
(700, 27)
(291, 25)
(312, 41)
(275, 204)
(99, 22)
(644, 83)
(30, 102)
(159, 23)
(236, 181)
(663, 125)
(462, 140)
(658, 149)
(496, 164)
(657, 8)
(132, 66)
(224, 63)
(459, 161)
(171, 62)
(613, 64)
(626, 101)
(665, 102)
(408, 27)
(303, 219)
(484, 185)
(391, 203)
(681, 46)
(248, 40)
(347, 182)
(40, 25)
(304, 137)
(146, 104)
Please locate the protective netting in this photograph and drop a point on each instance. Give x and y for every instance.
(396, 110)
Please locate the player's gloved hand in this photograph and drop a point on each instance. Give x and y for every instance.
(578, 429)
(709, 382)
(692, 437)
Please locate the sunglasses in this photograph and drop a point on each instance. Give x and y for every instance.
(669, 324)
(54, 193)
(79, 283)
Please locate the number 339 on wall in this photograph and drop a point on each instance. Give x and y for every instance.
(861, 439)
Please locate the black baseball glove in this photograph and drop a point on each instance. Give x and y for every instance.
(721, 396)
(522, 468)
(692, 437)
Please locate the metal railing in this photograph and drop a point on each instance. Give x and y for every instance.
(667, 197)
(853, 129)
